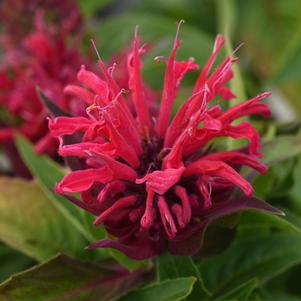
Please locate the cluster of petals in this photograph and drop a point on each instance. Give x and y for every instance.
(17, 15)
(42, 58)
(151, 179)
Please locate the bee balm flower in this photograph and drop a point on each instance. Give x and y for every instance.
(41, 58)
(154, 181)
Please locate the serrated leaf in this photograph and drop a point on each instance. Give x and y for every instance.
(263, 256)
(169, 290)
(172, 267)
(65, 279)
(30, 223)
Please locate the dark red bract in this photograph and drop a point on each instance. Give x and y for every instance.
(150, 179)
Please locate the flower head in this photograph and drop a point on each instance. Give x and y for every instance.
(66, 13)
(154, 181)
(41, 58)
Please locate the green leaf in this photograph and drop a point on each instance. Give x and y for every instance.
(262, 256)
(295, 192)
(66, 279)
(241, 293)
(172, 267)
(129, 263)
(91, 8)
(30, 223)
(290, 61)
(275, 151)
(169, 290)
(12, 261)
(262, 219)
(281, 149)
(48, 173)
(226, 16)
(282, 296)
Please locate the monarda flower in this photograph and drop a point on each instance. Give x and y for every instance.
(42, 59)
(65, 14)
(156, 182)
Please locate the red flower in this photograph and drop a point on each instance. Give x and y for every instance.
(153, 181)
(63, 13)
(42, 58)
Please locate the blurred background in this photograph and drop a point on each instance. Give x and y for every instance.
(270, 60)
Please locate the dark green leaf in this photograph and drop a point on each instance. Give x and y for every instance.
(240, 293)
(172, 267)
(12, 261)
(281, 296)
(169, 290)
(31, 223)
(295, 192)
(262, 256)
(66, 279)
(263, 219)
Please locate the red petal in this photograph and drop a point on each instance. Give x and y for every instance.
(95, 83)
(249, 107)
(161, 180)
(182, 194)
(218, 169)
(85, 149)
(60, 126)
(81, 180)
(169, 89)
(148, 216)
(81, 93)
(219, 41)
(245, 130)
(136, 86)
(234, 157)
(166, 217)
(118, 205)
